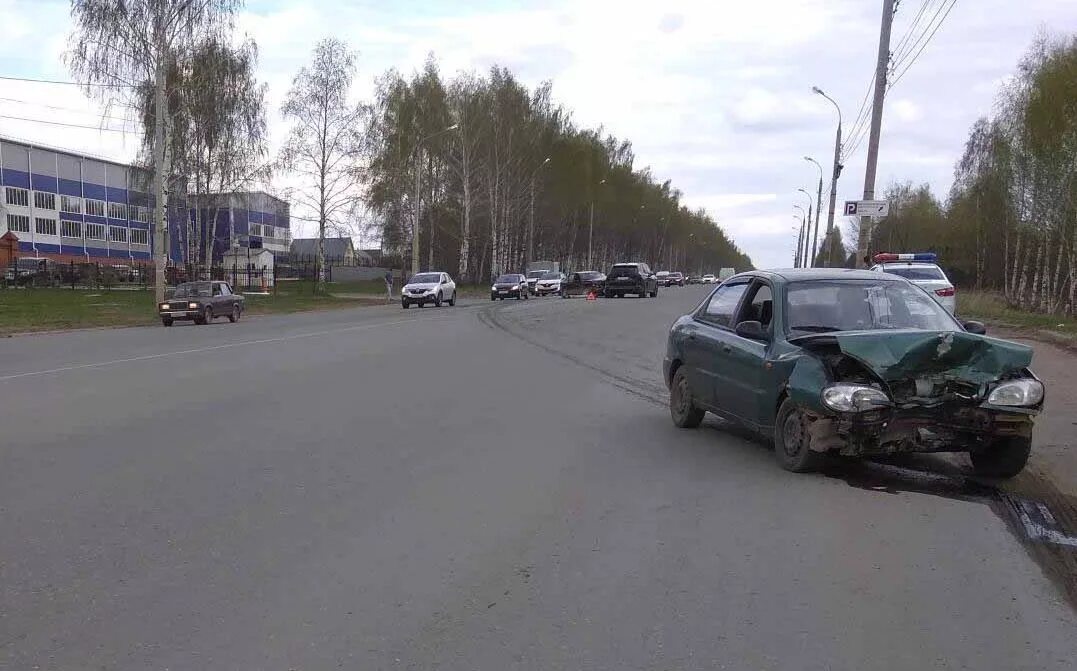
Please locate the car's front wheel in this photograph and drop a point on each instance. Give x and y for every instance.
(682, 409)
(452, 301)
(1004, 458)
(234, 317)
(792, 441)
(404, 303)
(167, 321)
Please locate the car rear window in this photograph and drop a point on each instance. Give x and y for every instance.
(624, 271)
(916, 272)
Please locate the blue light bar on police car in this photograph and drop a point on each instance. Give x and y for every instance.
(927, 257)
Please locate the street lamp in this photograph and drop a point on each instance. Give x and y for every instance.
(834, 175)
(807, 233)
(418, 204)
(531, 224)
(591, 227)
(818, 207)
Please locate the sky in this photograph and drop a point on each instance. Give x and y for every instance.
(714, 95)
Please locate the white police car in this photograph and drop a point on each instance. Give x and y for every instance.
(922, 270)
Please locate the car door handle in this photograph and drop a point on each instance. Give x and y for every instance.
(691, 336)
(727, 349)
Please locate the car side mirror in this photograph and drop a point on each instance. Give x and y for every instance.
(974, 327)
(752, 330)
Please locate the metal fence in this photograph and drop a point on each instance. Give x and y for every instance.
(43, 273)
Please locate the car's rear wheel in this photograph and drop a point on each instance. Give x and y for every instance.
(167, 321)
(234, 317)
(1004, 458)
(682, 409)
(791, 440)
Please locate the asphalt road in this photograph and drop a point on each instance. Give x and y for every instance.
(479, 487)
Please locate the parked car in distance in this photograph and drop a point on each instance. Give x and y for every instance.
(630, 278)
(708, 279)
(550, 283)
(510, 285)
(851, 362)
(662, 278)
(201, 302)
(28, 268)
(694, 279)
(923, 271)
(533, 277)
(676, 279)
(582, 283)
(432, 287)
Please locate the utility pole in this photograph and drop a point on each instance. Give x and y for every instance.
(800, 242)
(415, 223)
(881, 68)
(160, 214)
(818, 209)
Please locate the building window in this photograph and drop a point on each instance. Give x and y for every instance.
(43, 200)
(71, 229)
(45, 226)
(117, 234)
(16, 196)
(18, 223)
(95, 231)
(71, 204)
(117, 211)
(256, 229)
(141, 213)
(267, 231)
(95, 207)
(140, 236)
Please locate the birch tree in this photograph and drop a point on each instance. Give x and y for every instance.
(323, 147)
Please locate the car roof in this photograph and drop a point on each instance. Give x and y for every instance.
(800, 274)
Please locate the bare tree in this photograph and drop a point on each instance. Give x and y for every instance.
(119, 45)
(323, 146)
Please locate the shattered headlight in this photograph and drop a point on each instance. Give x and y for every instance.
(853, 397)
(1017, 393)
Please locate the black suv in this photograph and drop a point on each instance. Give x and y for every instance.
(630, 278)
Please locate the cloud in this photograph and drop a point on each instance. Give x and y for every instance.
(714, 94)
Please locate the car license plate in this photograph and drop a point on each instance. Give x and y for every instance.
(503, 293)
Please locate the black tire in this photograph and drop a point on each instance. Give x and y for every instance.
(422, 304)
(1005, 458)
(207, 316)
(167, 321)
(682, 410)
(404, 303)
(791, 440)
(452, 301)
(493, 297)
(234, 317)
(437, 300)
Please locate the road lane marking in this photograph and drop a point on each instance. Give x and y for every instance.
(245, 343)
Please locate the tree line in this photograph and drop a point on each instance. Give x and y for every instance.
(1009, 223)
(477, 174)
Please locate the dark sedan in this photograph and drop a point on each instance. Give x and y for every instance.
(855, 363)
(509, 286)
(201, 302)
(582, 283)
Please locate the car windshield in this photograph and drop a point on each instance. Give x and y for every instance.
(916, 272)
(193, 290)
(425, 278)
(507, 279)
(855, 305)
(552, 275)
(535, 274)
(29, 264)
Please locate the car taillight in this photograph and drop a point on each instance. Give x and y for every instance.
(948, 291)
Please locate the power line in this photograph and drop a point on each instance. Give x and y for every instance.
(69, 125)
(923, 46)
(64, 109)
(912, 28)
(66, 83)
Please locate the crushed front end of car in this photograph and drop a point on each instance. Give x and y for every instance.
(873, 392)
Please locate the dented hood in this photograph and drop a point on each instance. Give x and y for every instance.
(900, 355)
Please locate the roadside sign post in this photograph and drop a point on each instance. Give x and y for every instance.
(867, 208)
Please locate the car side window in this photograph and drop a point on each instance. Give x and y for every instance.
(723, 304)
(216, 290)
(759, 307)
(225, 291)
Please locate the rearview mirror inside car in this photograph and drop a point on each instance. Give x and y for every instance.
(975, 327)
(752, 330)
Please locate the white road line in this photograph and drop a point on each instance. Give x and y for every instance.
(245, 343)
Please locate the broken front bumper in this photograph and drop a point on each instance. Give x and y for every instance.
(947, 427)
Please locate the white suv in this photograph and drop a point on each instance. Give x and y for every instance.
(428, 288)
(924, 274)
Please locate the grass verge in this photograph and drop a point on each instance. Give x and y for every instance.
(992, 308)
(28, 310)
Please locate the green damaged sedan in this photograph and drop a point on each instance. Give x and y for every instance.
(854, 363)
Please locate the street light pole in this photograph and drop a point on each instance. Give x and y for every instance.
(418, 203)
(818, 208)
(800, 240)
(805, 259)
(531, 222)
(833, 177)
